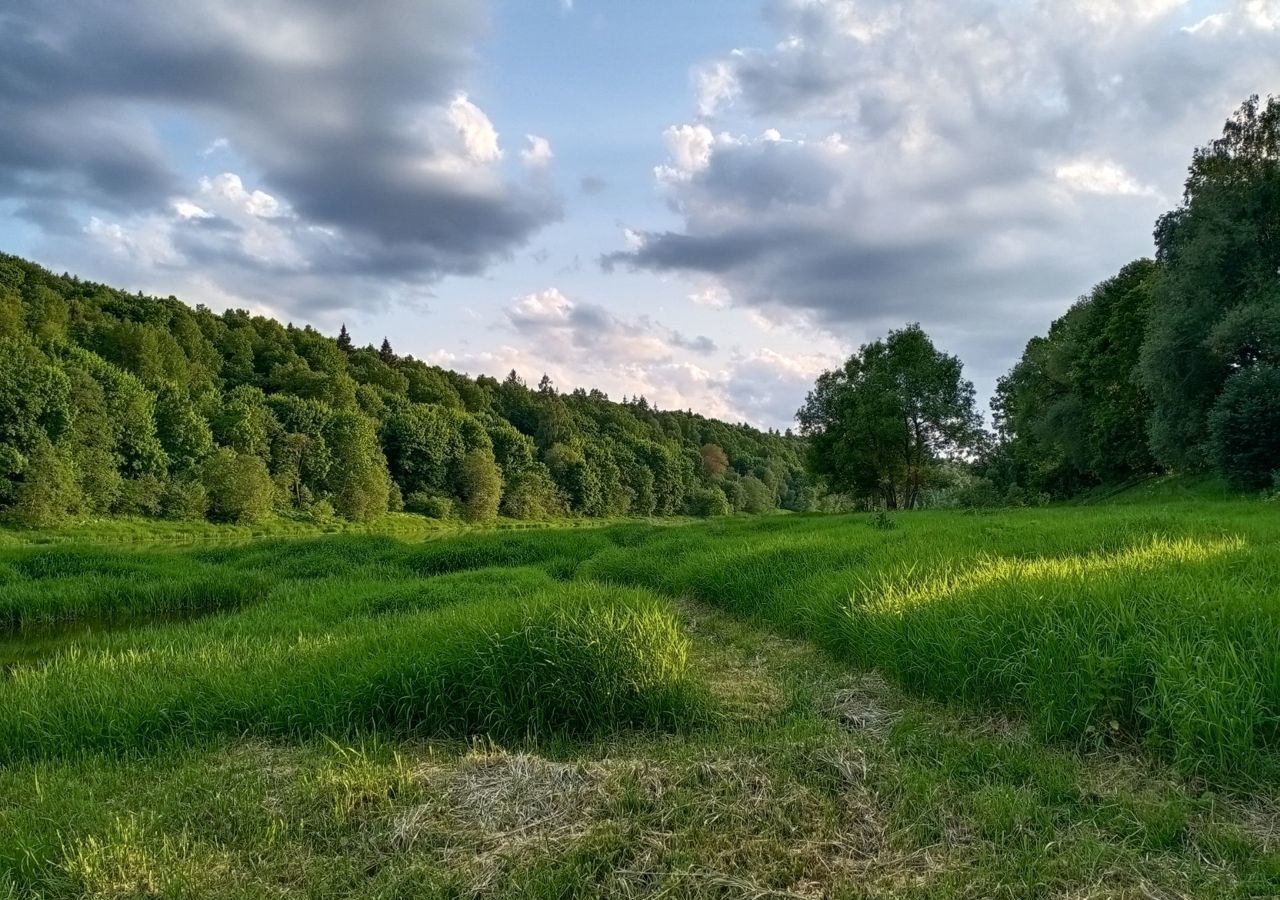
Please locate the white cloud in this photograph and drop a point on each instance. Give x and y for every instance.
(1263, 13)
(479, 137)
(227, 193)
(945, 161)
(716, 84)
(216, 146)
(1100, 176)
(690, 147)
(537, 154)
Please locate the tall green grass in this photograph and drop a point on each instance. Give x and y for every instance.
(574, 659)
(1157, 624)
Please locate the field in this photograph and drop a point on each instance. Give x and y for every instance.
(1061, 702)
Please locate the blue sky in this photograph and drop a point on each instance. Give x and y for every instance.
(705, 202)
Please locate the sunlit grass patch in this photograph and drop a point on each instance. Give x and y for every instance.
(579, 659)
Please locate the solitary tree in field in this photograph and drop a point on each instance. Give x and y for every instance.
(879, 424)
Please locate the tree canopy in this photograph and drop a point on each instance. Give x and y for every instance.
(882, 423)
(118, 403)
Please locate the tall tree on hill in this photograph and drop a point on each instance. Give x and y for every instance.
(1216, 310)
(388, 355)
(344, 340)
(878, 425)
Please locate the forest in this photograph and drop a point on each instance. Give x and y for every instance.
(119, 404)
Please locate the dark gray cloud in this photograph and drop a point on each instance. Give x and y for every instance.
(349, 116)
(969, 165)
(592, 185)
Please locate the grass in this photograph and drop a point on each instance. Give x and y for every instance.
(1055, 702)
(1151, 624)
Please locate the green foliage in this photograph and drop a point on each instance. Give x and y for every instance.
(433, 506)
(35, 407)
(358, 483)
(182, 431)
(1216, 302)
(237, 485)
(185, 498)
(139, 393)
(1072, 412)
(710, 501)
(879, 424)
(479, 486)
(49, 492)
(1244, 427)
(753, 496)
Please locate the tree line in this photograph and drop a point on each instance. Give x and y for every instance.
(114, 403)
(1171, 365)
(117, 403)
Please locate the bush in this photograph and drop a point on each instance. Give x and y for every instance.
(184, 499)
(433, 506)
(1244, 427)
(754, 496)
(49, 492)
(140, 496)
(533, 495)
(882, 521)
(709, 501)
(239, 486)
(321, 512)
(480, 485)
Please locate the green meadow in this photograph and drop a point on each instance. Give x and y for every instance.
(1076, 701)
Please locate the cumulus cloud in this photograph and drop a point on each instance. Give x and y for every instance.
(537, 152)
(583, 344)
(563, 329)
(968, 165)
(369, 159)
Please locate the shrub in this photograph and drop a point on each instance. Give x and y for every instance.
(480, 486)
(754, 495)
(239, 486)
(184, 498)
(881, 520)
(533, 495)
(1244, 426)
(321, 512)
(433, 506)
(140, 496)
(49, 492)
(709, 501)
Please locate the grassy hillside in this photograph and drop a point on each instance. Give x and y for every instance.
(1022, 703)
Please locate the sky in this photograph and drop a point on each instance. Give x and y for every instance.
(707, 202)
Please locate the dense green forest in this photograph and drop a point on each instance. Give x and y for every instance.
(1174, 363)
(117, 403)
